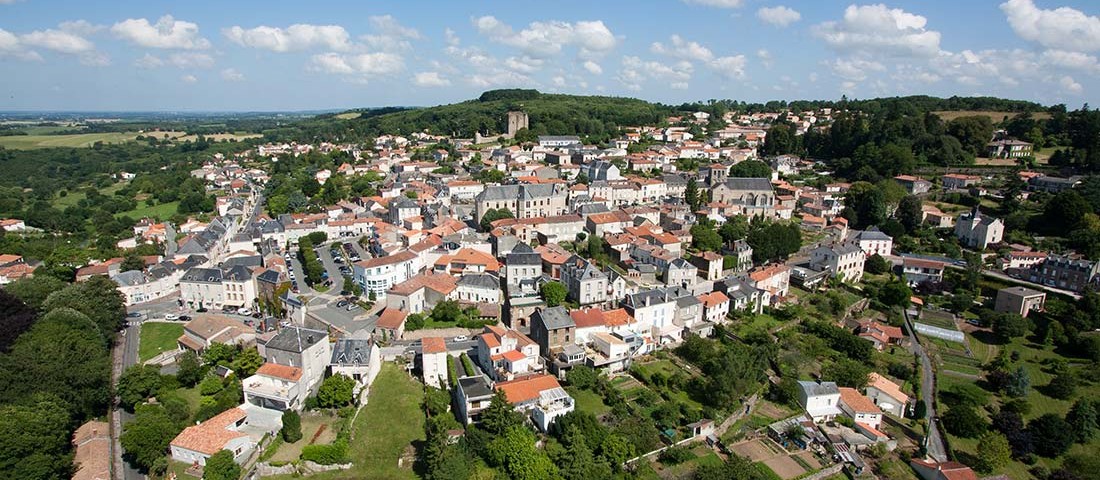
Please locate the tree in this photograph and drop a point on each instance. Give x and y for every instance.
(735, 228)
(34, 290)
(1065, 211)
(35, 443)
(247, 362)
(895, 293)
(848, 373)
(292, 426)
(1051, 435)
(582, 377)
(595, 246)
(750, 169)
(704, 238)
(190, 370)
(1062, 386)
(500, 415)
(132, 262)
(993, 451)
(436, 401)
(515, 451)
(492, 215)
(219, 354)
(553, 293)
(909, 213)
(876, 265)
(865, 205)
(145, 439)
(964, 421)
(221, 466)
(336, 391)
(691, 194)
(1082, 418)
(973, 132)
(1018, 383)
(15, 318)
(98, 298)
(136, 384)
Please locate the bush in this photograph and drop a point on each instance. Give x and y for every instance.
(468, 365)
(292, 426)
(452, 372)
(326, 454)
(676, 455)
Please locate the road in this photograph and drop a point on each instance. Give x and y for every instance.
(128, 344)
(934, 443)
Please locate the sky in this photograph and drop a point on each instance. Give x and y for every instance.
(277, 55)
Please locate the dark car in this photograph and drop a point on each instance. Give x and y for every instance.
(133, 315)
(185, 318)
(341, 304)
(344, 293)
(257, 315)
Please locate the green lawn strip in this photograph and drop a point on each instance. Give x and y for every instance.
(588, 401)
(158, 337)
(161, 211)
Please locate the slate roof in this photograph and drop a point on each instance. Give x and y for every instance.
(479, 280)
(351, 352)
(523, 254)
(738, 183)
(202, 275)
(555, 318)
(296, 339)
(814, 389)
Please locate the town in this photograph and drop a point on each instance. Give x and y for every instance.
(691, 297)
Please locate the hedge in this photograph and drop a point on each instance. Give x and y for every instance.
(468, 365)
(332, 454)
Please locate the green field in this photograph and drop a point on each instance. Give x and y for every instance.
(29, 142)
(161, 212)
(157, 337)
(385, 429)
(588, 401)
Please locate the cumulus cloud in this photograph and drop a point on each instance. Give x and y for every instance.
(765, 57)
(1062, 28)
(296, 37)
(543, 39)
(387, 25)
(717, 3)
(593, 67)
(779, 16)
(682, 49)
(730, 67)
(166, 33)
(430, 79)
(365, 65)
(1069, 85)
(58, 41)
(191, 60)
(67, 39)
(232, 75)
(189, 79)
(636, 71)
(149, 62)
(523, 64)
(854, 69)
(450, 37)
(882, 30)
(10, 46)
(1070, 60)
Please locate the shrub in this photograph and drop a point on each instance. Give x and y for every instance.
(292, 426)
(468, 365)
(326, 454)
(676, 455)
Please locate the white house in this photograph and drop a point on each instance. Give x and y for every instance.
(540, 396)
(197, 443)
(433, 361)
(874, 242)
(860, 408)
(820, 399)
(978, 231)
(886, 395)
(356, 358)
(379, 274)
(844, 261)
(276, 387)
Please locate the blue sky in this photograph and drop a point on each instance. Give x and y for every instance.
(281, 55)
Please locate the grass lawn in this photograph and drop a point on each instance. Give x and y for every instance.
(180, 469)
(157, 337)
(756, 323)
(588, 401)
(310, 425)
(162, 211)
(75, 196)
(386, 428)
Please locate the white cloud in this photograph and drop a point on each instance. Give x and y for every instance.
(95, 59)
(1062, 28)
(558, 81)
(1069, 85)
(765, 57)
(450, 37)
(430, 79)
(593, 67)
(58, 41)
(232, 75)
(387, 25)
(880, 30)
(189, 79)
(364, 65)
(166, 33)
(296, 37)
(81, 27)
(854, 69)
(191, 60)
(678, 85)
(525, 64)
(730, 67)
(683, 49)
(717, 3)
(636, 71)
(149, 62)
(10, 46)
(779, 16)
(543, 39)
(1071, 60)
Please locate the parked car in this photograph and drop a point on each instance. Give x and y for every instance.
(185, 318)
(133, 315)
(244, 311)
(461, 338)
(352, 306)
(341, 304)
(257, 315)
(171, 316)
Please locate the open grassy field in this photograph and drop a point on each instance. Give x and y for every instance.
(73, 197)
(79, 140)
(312, 425)
(218, 137)
(157, 337)
(160, 212)
(349, 115)
(996, 117)
(385, 429)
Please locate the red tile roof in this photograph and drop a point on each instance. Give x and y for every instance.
(280, 371)
(210, 437)
(391, 319)
(434, 345)
(519, 391)
(857, 401)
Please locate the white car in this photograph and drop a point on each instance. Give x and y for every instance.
(244, 311)
(461, 338)
(171, 316)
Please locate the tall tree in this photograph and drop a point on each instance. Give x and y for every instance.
(98, 298)
(145, 439)
(993, 451)
(221, 466)
(35, 444)
(1082, 418)
(15, 318)
(1051, 435)
(909, 213)
(553, 293)
(500, 415)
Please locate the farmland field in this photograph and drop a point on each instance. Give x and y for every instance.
(996, 117)
(78, 140)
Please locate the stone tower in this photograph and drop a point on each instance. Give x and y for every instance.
(516, 121)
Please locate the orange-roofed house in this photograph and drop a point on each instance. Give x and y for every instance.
(505, 354)
(276, 387)
(881, 334)
(92, 458)
(422, 292)
(715, 306)
(539, 396)
(859, 407)
(197, 443)
(467, 260)
(391, 324)
(932, 470)
(887, 395)
(433, 361)
(774, 279)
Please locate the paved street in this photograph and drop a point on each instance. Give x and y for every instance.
(934, 443)
(128, 344)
